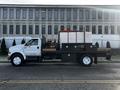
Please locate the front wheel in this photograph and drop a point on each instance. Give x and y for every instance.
(17, 60)
(86, 60)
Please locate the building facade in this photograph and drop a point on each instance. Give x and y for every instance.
(48, 20)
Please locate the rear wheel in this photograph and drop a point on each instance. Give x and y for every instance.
(86, 60)
(17, 60)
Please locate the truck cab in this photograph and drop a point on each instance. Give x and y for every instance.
(19, 53)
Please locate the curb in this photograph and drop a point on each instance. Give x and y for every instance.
(108, 61)
(4, 61)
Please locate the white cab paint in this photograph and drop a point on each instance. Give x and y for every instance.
(33, 50)
(30, 50)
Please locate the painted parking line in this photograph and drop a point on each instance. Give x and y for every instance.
(60, 81)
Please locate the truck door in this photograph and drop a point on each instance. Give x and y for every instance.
(32, 48)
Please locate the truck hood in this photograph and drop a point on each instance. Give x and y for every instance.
(16, 48)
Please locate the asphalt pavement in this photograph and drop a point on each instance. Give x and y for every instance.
(60, 76)
(103, 76)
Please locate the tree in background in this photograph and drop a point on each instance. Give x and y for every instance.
(23, 41)
(3, 47)
(97, 44)
(108, 44)
(14, 43)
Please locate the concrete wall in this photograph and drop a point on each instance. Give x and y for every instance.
(9, 40)
(102, 40)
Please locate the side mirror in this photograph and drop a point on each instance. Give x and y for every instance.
(25, 45)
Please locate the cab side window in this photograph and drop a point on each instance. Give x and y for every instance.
(32, 42)
(35, 42)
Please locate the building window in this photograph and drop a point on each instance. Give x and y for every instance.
(23, 29)
(68, 27)
(49, 29)
(99, 29)
(118, 29)
(24, 13)
(74, 27)
(99, 15)
(18, 13)
(106, 15)
(87, 14)
(11, 13)
(36, 29)
(43, 29)
(49, 14)
(37, 13)
(62, 28)
(112, 29)
(56, 29)
(106, 30)
(5, 13)
(81, 14)
(81, 28)
(43, 14)
(30, 13)
(11, 29)
(62, 14)
(17, 29)
(93, 29)
(68, 14)
(93, 14)
(56, 13)
(4, 29)
(75, 14)
(87, 28)
(30, 29)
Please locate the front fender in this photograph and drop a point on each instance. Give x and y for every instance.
(24, 56)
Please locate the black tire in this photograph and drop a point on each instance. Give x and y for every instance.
(86, 60)
(20, 60)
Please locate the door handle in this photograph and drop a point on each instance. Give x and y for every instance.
(37, 47)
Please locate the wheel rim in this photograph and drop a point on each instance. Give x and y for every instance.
(86, 60)
(17, 60)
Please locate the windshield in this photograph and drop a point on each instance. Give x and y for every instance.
(32, 42)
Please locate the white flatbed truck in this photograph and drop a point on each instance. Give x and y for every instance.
(71, 46)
